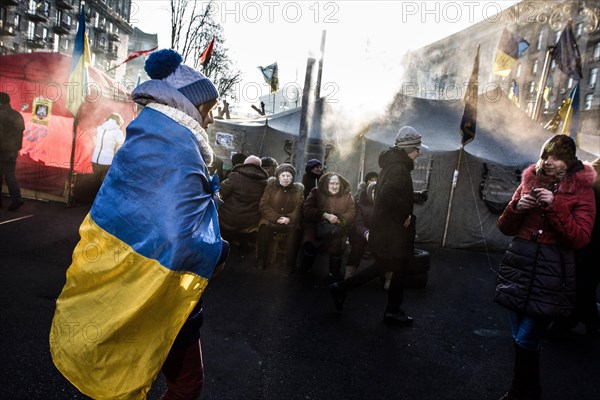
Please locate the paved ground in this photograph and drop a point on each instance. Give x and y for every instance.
(271, 336)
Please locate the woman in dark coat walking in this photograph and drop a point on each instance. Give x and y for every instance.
(551, 214)
(392, 233)
(328, 215)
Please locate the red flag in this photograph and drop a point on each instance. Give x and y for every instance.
(136, 54)
(207, 54)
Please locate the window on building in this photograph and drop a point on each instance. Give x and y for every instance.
(2, 14)
(535, 66)
(589, 99)
(597, 51)
(570, 83)
(55, 45)
(593, 78)
(553, 65)
(44, 33)
(518, 70)
(579, 29)
(531, 87)
(59, 15)
(30, 30)
(16, 47)
(557, 36)
(32, 8)
(17, 22)
(540, 40)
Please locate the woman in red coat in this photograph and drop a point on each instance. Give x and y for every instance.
(551, 214)
(328, 215)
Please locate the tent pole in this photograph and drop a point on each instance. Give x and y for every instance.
(70, 200)
(262, 140)
(454, 181)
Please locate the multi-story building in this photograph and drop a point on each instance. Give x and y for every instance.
(441, 70)
(139, 41)
(50, 25)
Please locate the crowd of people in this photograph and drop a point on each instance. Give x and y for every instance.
(178, 219)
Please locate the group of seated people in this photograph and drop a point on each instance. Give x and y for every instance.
(260, 198)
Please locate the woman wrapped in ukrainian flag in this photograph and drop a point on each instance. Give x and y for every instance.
(148, 248)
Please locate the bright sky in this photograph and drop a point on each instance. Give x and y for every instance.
(365, 41)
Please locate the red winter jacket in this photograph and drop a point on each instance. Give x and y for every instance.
(568, 221)
(537, 273)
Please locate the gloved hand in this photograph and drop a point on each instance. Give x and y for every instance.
(420, 197)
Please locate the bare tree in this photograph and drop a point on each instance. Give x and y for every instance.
(193, 26)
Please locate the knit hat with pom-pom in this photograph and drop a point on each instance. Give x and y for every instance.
(166, 65)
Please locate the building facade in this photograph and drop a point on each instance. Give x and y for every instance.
(50, 25)
(441, 70)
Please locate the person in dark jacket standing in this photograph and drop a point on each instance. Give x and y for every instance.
(392, 233)
(312, 173)
(551, 214)
(11, 139)
(241, 193)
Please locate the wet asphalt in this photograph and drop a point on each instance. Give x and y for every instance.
(273, 336)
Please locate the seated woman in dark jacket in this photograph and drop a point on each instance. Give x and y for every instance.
(280, 211)
(328, 215)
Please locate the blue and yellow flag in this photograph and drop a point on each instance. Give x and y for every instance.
(148, 248)
(510, 48)
(562, 121)
(78, 78)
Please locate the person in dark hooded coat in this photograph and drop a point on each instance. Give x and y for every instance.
(392, 232)
(327, 218)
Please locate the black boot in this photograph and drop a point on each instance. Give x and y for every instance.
(335, 264)
(308, 260)
(526, 376)
(338, 294)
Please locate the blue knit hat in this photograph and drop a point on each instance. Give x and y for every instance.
(166, 65)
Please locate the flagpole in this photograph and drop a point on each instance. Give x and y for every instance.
(303, 130)
(454, 181)
(70, 199)
(537, 107)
